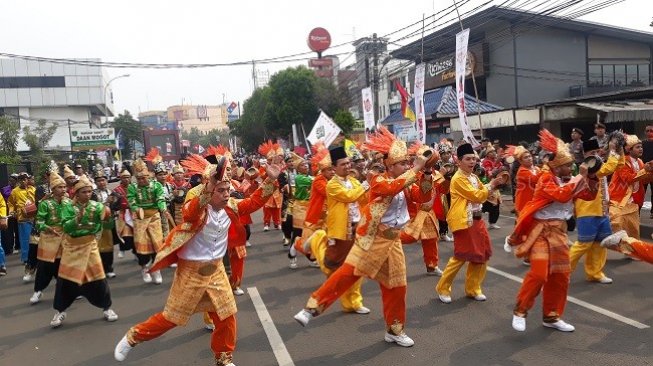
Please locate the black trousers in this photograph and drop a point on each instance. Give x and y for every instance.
(492, 210)
(248, 230)
(143, 259)
(107, 261)
(32, 261)
(45, 272)
(96, 292)
(286, 227)
(127, 245)
(10, 236)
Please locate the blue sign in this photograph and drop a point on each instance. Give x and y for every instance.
(232, 117)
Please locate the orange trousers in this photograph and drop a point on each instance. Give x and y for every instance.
(237, 268)
(223, 338)
(394, 299)
(642, 251)
(271, 214)
(554, 288)
(429, 249)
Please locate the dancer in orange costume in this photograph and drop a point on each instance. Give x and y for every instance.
(541, 235)
(377, 252)
(272, 209)
(210, 225)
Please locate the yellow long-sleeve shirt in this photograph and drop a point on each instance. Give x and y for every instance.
(595, 206)
(338, 199)
(462, 193)
(18, 198)
(3, 207)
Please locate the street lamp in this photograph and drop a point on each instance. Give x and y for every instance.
(105, 94)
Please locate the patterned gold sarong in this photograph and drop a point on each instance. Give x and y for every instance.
(195, 290)
(50, 246)
(384, 261)
(80, 260)
(148, 235)
(299, 209)
(625, 217)
(105, 242)
(423, 226)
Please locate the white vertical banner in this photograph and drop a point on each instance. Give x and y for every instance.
(418, 94)
(462, 39)
(324, 130)
(368, 111)
(295, 136)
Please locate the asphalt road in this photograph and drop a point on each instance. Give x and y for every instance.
(464, 332)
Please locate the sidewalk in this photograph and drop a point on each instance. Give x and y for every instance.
(645, 227)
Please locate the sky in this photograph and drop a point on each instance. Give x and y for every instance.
(195, 31)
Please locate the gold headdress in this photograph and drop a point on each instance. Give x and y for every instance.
(516, 152)
(82, 182)
(218, 150)
(177, 169)
(554, 145)
(632, 140)
(125, 173)
(296, 160)
(418, 148)
(56, 180)
(214, 166)
(385, 142)
(67, 172)
(156, 159)
(321, 158)
(140, 168)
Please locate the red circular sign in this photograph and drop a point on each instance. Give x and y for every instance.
(319, 39)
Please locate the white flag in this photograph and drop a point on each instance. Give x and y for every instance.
(368, 110)
(418, 95)
(462, 39)
(325, 130)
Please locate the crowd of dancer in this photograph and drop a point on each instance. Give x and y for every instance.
(348, 211)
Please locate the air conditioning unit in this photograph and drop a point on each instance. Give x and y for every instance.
(577, 90)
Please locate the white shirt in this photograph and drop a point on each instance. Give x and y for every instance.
(210, 243)
(354, 210)
(556, 210)
(397, 214)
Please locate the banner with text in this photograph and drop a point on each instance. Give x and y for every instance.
(92, 139)
(462, 39)
(325, 130)
(418, 95)
(368, 111)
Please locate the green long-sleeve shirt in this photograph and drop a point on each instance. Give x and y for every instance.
(302, 187)
(148, 197)
(90, 222)
(50, 212)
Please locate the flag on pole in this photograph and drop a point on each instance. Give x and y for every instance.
(462, 40)
(419, 102)
(325, 130)
(199, 148)
(406, 111)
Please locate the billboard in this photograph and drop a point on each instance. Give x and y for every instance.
(166, 141)
(92, 139)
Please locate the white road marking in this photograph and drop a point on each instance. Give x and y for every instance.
(278, 347)
(579, 302)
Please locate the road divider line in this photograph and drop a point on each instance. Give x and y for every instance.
(278, 347)
(579, 302)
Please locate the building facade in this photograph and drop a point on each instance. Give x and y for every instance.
(67, 95)
(202, 117)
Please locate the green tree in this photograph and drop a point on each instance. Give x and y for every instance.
(213, 137)
(9, 129)
(37, 138)
(251, 127)
(345, 121)
(132, 130)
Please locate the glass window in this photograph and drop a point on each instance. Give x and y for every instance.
(595, 75)
(631, 75)
(619, 75)
(608, 75)
(643, 74)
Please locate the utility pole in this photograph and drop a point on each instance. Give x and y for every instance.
(254, 74)
(375, 82)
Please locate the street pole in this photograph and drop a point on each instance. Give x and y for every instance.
(70, 136)
(105, 94)
(375, 82)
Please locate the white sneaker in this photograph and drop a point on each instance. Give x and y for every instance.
(362, 310)
(147, 278)
(266, 228)
(605, 280)
(174, 265)
(303, 317)
(434, 272)
(111, 274)
(248, 244)
(210, 327)
(293, 263)
(560, 325)
(518, 323)
(445, 299)
(239, 291)
(448, 238)
(36, 297)
(402, 339)
(158, 279)
(28, 277)
(526, 263)
(614, 239)
(58, 319)
(480, 297)
(110, 315)
(121, 254)
(494, 226)
(314, 264)
(286, 241)
(122, 349)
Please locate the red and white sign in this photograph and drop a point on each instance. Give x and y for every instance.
(320, 62)
(319, 39)
(324, 73)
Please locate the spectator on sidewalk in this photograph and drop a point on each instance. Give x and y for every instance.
(576, 145)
